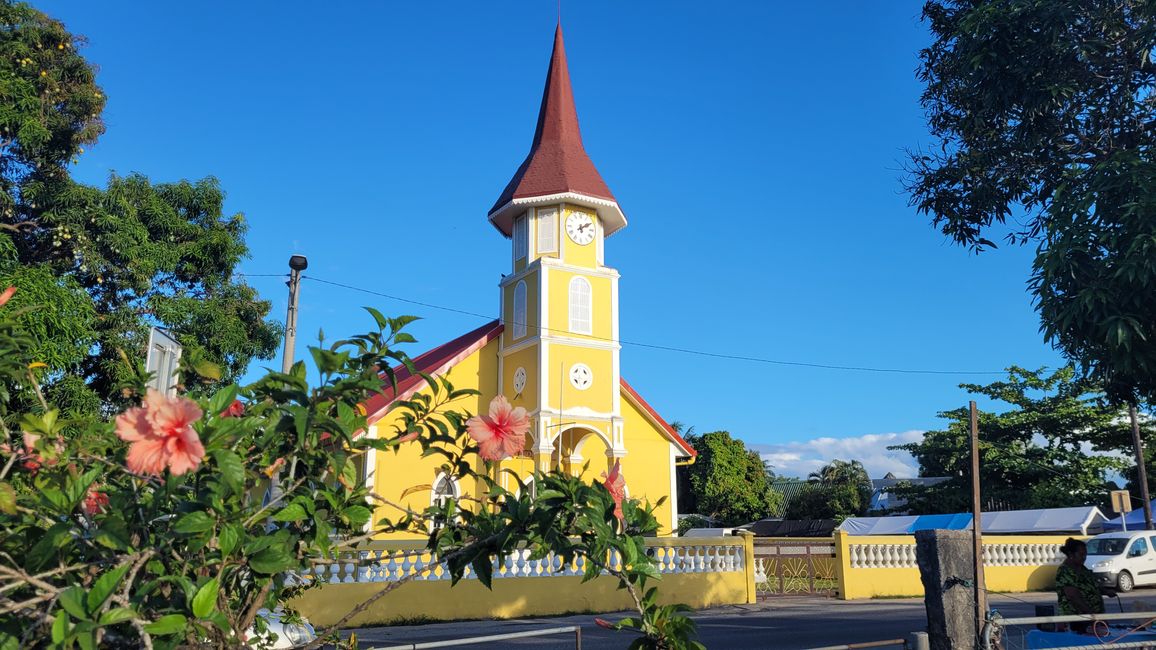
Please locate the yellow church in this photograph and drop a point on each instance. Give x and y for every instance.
(555, 349)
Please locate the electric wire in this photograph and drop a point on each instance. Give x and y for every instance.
(668, 348)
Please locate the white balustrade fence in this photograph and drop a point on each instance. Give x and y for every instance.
(389, 565)
(902, 556)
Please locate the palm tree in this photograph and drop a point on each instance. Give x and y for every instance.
(840, 472)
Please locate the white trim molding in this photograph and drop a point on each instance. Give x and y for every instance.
(608, 210)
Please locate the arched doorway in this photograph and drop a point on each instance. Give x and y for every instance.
(581, 447)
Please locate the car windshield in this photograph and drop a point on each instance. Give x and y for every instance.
(1108, 546)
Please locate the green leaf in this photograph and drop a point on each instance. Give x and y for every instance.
(205, 600)
(272, 559)
(8, 642)
(72, 601)
(356, 515)
(223, 399)
(228, 538)
(55, 537)
(104, 586)
(117, 615)
(292, 512)
(113, 533)
(7, 499)
(60, 628)
(207, 369)
(170, 624)
(194, 522)
(232, 470)
(484, 568)
(77, 488)
(86, 640)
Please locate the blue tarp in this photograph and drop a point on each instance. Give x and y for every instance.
(1135, 520)
(1084, 520)
(941, 522)
(904, 524)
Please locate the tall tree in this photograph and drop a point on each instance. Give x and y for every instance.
(838, 490)
(103, 265)
(727, 481)
(1035, 454)
(1045, 118)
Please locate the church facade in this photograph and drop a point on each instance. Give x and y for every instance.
(555, 348)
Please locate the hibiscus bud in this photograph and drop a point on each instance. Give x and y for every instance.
(234, 410)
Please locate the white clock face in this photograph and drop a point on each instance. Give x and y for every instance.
(519, 380)
(581, 376)
(580, 228)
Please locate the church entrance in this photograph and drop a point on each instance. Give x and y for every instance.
(581, 452)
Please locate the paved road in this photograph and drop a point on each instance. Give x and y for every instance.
(785, 624)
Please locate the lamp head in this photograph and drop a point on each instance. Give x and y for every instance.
(298, 263)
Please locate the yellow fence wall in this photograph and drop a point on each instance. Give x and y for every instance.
(513, 597)
(876, 566)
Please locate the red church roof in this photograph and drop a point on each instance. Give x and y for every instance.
(435, 362)
(557, 162)
(439, 360)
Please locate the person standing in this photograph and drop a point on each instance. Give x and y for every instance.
(1076, 586)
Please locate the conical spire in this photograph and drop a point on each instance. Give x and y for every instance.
(557, 162)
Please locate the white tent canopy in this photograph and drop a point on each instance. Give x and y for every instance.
(1082, 520)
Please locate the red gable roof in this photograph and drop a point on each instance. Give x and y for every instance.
(557, 162)
(435, 362)
(440, 359)
(657, 419)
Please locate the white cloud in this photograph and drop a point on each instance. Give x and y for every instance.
(802, 458)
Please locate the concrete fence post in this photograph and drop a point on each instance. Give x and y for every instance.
(918, 641)
(948, 575)
(843, 564)
(749, 562)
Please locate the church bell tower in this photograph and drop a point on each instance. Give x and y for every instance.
(559, 351)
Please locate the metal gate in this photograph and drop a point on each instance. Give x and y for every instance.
(795, 567)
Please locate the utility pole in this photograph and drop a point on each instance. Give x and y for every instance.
(297, 264)
(976, 525)
(1141, 473)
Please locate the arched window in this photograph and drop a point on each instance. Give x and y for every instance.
(580, 307)
(520, 310)
(444, 489)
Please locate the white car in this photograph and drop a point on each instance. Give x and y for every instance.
(1123, 559)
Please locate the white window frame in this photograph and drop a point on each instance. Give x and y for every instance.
(520, 310)
(578, 303)
(547, 224)
(521, 236)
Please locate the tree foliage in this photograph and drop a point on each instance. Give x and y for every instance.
(1035, 454)
(727, 481)
(94, 554)
(104, 264)
(838, 490)
(1045, 118)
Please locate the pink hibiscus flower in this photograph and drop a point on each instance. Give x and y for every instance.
(502, 433)
(94, 502)
(616, 486)
(234, 410)
(33, 460)
(161, 435)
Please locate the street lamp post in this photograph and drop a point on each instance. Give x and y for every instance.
(297, 264)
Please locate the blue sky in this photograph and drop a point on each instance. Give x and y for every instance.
(755, 147)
